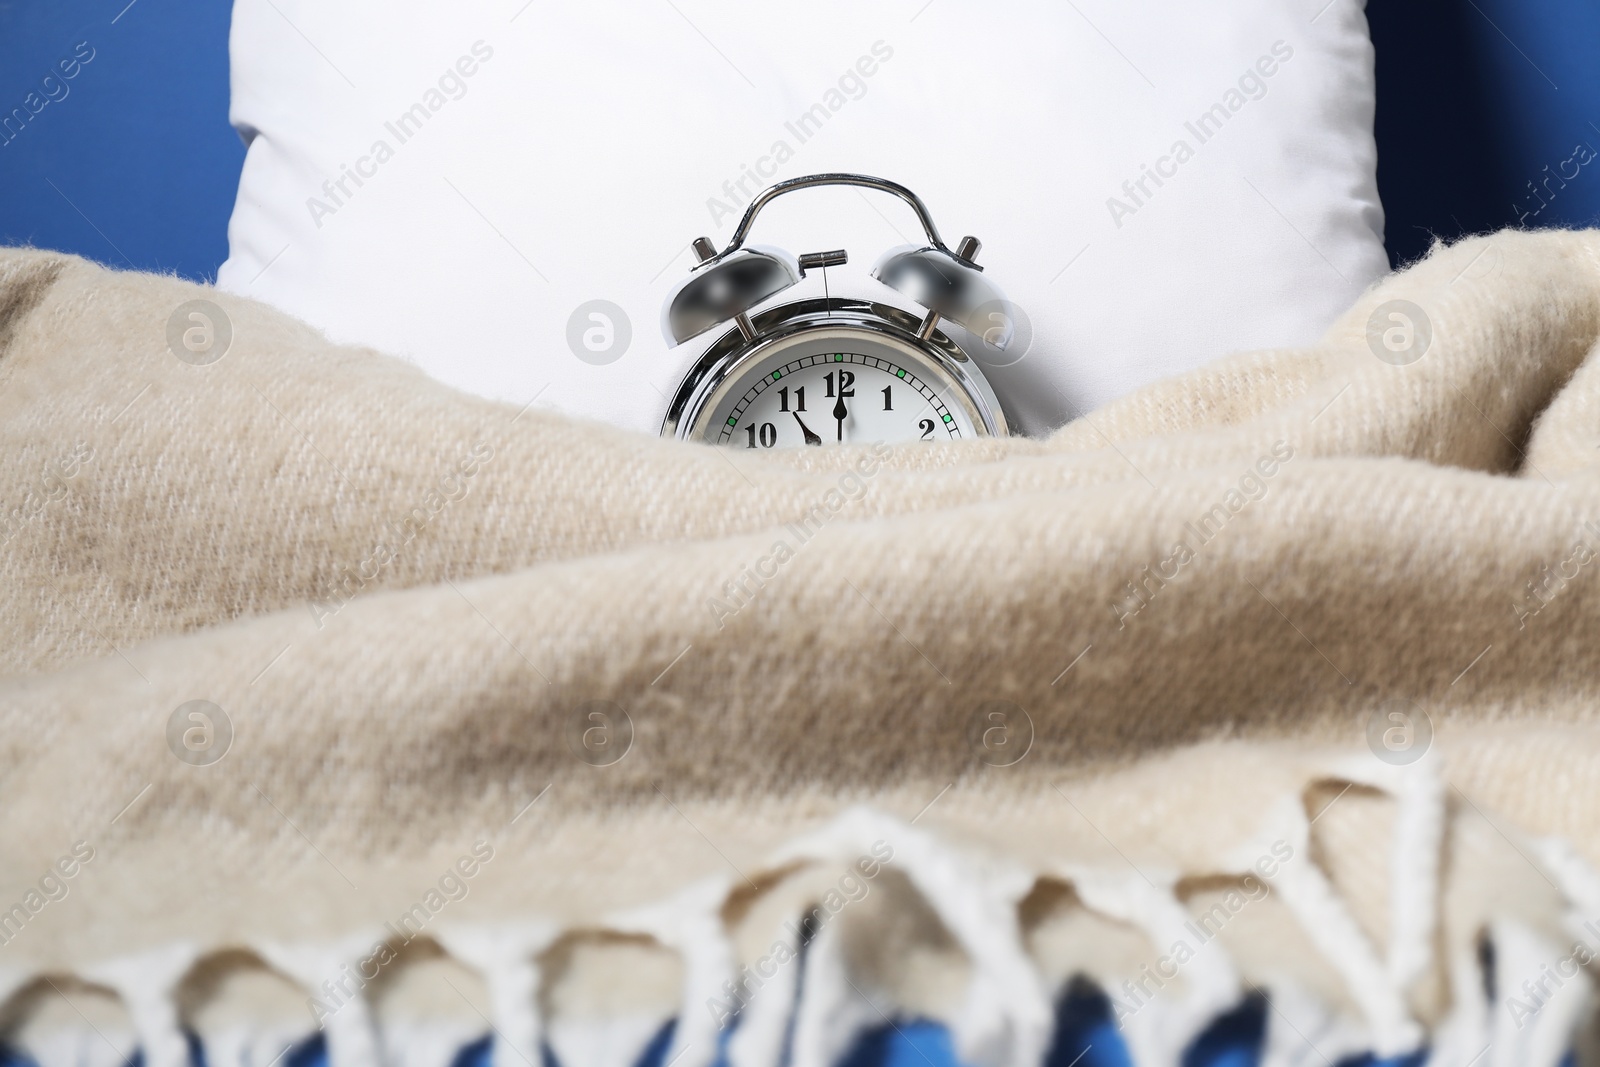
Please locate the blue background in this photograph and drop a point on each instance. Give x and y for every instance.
(1475, 99)
(137, 167)
(143, 161)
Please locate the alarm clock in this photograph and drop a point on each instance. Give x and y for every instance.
(835, 370)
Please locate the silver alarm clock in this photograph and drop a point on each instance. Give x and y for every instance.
(834, 370)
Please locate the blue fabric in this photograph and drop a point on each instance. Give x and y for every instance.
(1475, 99)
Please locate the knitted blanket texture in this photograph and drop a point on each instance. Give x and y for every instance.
(333, 698)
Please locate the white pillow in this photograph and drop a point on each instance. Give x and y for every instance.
(1155, 183)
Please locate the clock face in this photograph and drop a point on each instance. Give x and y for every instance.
(836, 398)
(834, 388)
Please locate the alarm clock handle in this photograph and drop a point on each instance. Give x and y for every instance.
(864, 181)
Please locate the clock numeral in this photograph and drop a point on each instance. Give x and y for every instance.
(847, 384)
(799, 398)
(768, 435)
(887, 406)
(926, 426)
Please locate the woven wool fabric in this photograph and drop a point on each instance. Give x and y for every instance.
(406, 608)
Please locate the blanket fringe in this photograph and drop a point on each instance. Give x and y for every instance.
(767, 1022)
(811, 1013)
(148, 985)
(508, 960)
(350, 1031)
(1161, 1030)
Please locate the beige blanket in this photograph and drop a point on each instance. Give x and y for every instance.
(336, 698)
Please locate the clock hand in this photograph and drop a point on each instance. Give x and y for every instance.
(840, 413)
(811, 438)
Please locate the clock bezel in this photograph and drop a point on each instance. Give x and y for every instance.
(719, 370)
